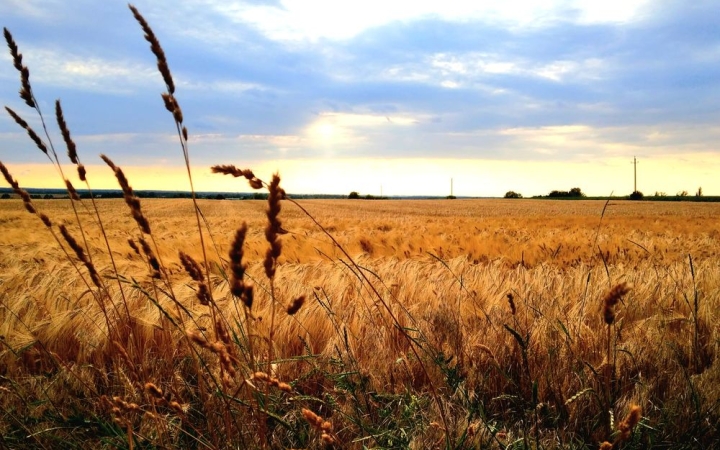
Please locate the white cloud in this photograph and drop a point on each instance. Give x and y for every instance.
(327, 122)
(594, 11)
(474, 69)
(226, 86)
(450, 84)
(34, 9)
(311, 20)
(474, 65)
(91, 73)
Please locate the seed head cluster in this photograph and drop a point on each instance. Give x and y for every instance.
(611, 299)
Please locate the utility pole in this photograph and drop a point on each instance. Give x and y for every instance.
(381, 190)
(451, 187)
(635, 173)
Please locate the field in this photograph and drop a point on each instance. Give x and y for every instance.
(425, 324)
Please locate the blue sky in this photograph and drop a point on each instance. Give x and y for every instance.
(339, 95)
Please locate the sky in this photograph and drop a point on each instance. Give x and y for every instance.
(392, 97)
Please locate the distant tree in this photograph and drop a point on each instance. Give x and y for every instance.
(513, 194)
(699, 192)
(576, 192)
(660, 194)
(451, 197)
(636, 195)
(682, 194)
(5, 196)
(354, 195)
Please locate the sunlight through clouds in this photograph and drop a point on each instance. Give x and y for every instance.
(332, 129)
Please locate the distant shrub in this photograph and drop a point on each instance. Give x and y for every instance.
(660, 194)
(575, 192)
(682, 194)
(636, 195)
(354, 195)
(5, 196)
(513, 194)
(699, 192)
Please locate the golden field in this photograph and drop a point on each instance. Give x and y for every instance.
(414, 343)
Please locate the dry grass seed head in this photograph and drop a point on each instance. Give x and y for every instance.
(228, 169)
(296, 305)
(22, 193)
(69, 143)
(71, 190)
(222, 332)
(80, 253)
(156, 49)
(34, 136)
(133, 246)
(626, 426)
(203, 294)
(172, 105)
(313, 419)
(511, 302)
(323, 426)
(16, 55)
(132, 201)
(25, 89)
(152, 259)
(82, 173)
(153, 390)
(238, 288)
(273, 226)
(611, 299)
(261, 376)
(198, 339)
(45, 219)
(191, 267)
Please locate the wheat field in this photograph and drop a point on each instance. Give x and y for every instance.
(533, 373)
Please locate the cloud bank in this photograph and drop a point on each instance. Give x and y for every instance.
(263, 82)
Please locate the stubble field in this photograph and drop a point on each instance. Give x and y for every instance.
(433, 323)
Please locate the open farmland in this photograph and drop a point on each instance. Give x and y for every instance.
(433, 323)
